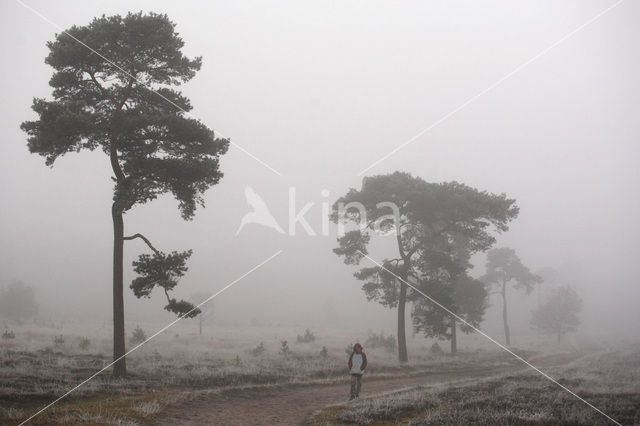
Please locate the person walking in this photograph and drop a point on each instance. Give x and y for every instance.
(357, 364)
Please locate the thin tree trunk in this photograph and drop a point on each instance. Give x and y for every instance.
(507, 334)
(120, 366)
(403, 356)
(454, 342)
(402, 338)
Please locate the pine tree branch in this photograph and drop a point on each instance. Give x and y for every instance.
(104, 91)
(143, 238)
(127, 92)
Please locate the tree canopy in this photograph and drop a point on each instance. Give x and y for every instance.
(121, 102)
(559, 314)
(431, 215)
(429, 219)
(446, 280)
(504, 266)
(466, 297)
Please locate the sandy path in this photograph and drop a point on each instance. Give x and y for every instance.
(292, 406)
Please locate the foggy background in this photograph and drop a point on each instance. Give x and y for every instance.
(319, 92)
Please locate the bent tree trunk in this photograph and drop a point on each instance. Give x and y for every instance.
(402, 339)
(507, 334)
(454, 342)
(120, 366)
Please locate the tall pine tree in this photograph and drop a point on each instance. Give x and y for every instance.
(122, 102)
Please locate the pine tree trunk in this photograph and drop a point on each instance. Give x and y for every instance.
(120, 366)
(402, 339)
(402, 301)
(507, 334)
(454, 342)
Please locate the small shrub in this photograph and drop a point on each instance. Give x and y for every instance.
(237, 361)
(147, 408)
(284, 348)
(8, 334)
(84, 344)
(308, 337)
(436, 349)
(324, 353)
(156, 355)
(58, 340)
(258, 350)
(382, 341)
(138, 336)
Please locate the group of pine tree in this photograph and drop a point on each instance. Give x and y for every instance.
(115, 90)
(437, 228)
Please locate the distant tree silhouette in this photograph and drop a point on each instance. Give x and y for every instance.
(103, 101)
(206, 310)
(18, 302)
(559, 314)
(504, 268)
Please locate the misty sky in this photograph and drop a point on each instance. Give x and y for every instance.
(319, 92)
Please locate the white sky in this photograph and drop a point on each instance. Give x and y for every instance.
(319, 92)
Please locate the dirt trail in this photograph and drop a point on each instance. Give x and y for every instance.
(293, 405)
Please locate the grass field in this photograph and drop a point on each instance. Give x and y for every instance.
(610, 381)
(38, 366)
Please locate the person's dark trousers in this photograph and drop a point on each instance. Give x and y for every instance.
(356, 384)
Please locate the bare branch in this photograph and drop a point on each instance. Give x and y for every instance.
(143, 238)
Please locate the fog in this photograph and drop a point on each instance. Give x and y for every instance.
(319, 92)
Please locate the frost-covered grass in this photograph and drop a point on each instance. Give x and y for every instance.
(610, 381)
(176, 366)
(180, 364)
(33, 366)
